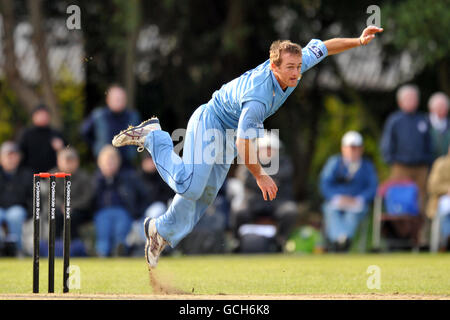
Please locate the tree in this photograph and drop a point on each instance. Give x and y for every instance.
(28, 96)
(421, 27)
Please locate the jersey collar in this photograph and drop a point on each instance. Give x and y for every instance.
(276, 85)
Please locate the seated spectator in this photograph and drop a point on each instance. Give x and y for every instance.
(68, 161)
(348, 182)
(15, 196)
(440, 128)
(282, 211)
(40, 143)
(105, 122)
(439, 196)
(406, 142)
(119, 198)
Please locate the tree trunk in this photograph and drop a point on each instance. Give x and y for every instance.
(25, 94)
(443, 73)
(133, 23)
(39, 41)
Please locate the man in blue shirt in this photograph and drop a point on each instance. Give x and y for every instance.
(103, 122)
(243, 104)
(348, 182)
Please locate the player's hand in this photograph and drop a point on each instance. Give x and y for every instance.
(268, 187)
(368, 34)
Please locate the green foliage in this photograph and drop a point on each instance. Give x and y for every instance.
(71, 100)
(12, 117)
(419, 26)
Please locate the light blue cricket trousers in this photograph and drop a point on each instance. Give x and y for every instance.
(196, 177)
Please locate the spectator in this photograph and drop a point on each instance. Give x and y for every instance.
(15, 195)
(119, 198)
(104, 122)
(406, 141)
(439, 195)
(40, 143)
(68, 161)
(440, 129)
(348, 182)
(283, 210)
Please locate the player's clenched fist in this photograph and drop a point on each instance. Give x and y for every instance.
(268, 187)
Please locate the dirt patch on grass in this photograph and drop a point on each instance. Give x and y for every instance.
(162, 287)
(162, 296)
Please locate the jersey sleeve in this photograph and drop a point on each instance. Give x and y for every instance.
(314, 52)
(251, 120)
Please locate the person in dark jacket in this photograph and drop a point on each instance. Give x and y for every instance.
(15, 195)
(103, 123)
(40, 143)
(81, 183)
(406, 143)
(348, 182)
(119, 198)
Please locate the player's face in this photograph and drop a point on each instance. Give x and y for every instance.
(288, 72)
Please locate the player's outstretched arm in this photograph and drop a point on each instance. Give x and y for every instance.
(338, 45)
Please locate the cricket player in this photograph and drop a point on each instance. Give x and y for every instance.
(241, 105)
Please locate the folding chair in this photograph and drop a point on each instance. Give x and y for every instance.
(434, 236)
(391, 209)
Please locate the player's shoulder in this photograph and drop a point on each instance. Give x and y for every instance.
(260, 74)
(316, 47)
(259, 83)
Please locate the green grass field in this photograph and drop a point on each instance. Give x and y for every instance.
(402, 274)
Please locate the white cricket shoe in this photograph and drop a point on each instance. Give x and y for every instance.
(136, 135)
(155, 243)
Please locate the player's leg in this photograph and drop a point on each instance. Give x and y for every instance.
(182, 216)
(187, 176)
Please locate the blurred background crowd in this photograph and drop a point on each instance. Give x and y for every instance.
(363, 143)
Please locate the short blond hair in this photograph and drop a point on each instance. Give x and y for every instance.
(279, 46)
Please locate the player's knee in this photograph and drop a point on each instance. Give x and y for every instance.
(194, 192)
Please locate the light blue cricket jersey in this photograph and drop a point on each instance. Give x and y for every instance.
(259, 85)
